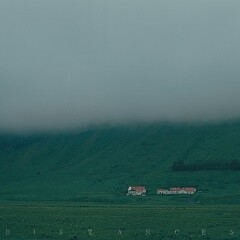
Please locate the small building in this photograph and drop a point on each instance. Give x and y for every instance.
(137, 191)
(189, 190)
(161, 191)
(164, 191)
(177, 190)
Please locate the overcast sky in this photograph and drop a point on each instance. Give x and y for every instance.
(76, 62)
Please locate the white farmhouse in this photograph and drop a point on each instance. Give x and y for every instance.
(137, 191)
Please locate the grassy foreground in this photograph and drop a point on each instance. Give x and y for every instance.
(62, 221)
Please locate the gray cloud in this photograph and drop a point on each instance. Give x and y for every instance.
(72, 63)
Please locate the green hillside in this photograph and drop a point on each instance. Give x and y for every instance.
(98, 164)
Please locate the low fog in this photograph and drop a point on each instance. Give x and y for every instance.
(67, 64)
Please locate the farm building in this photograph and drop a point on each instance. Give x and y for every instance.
(137, 190)
(162, 191)
(177, 190)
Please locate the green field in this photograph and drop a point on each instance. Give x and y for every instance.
(104, 222)
(77, 180)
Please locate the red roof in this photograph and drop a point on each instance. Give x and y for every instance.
(138, 188)
(175, 189)
(189, 189)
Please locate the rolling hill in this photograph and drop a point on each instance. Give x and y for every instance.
(99, 163)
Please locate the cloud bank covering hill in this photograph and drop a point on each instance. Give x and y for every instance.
(73, 63)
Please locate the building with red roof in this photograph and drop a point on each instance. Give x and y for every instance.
(177, 190)
(137, 190)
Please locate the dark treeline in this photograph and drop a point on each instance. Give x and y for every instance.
(181, 166)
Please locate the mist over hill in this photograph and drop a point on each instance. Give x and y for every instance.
(101, 162)
(73, 63)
